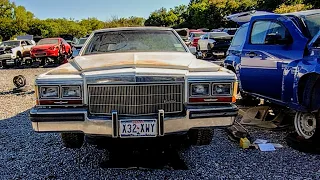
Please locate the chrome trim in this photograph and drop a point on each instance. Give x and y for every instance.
(60, 96)
(136, 103)
(210, 95)
(132, 79)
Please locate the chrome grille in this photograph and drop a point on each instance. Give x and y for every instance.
(136, 99)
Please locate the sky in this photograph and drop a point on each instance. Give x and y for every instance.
(101, 9)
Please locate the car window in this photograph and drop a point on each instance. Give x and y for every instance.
(23, 43)
(261, 30)
(313, 24)
(240, 36)
(134, 41)
(205, 36)
(28, 43)
(48, 41)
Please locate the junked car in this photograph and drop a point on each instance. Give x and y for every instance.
(51, 48)
(133, 83)
(13, 53)
(215, 43)
(277, 58)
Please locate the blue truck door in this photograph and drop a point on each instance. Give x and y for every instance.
(272, 42)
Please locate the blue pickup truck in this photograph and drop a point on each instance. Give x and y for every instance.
(277, 58)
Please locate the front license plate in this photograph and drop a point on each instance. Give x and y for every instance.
(138, 128)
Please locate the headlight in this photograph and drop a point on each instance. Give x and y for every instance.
(221, 89)
(49, 92)
(71, 92)
(200, 89)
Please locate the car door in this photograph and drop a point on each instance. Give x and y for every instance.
(272, 42)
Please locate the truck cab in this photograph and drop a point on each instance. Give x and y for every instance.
(276, 58)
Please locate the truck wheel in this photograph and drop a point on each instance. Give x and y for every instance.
(200, 136)
(72, 140)
(307, 125)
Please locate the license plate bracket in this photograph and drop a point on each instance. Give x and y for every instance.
(138, 128)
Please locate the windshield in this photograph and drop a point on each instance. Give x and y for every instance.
(48, 41)
(10, 43)
(313, 23)
(134, 41)
(218, 34)
(82, 41)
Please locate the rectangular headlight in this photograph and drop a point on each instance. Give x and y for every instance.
(71, 92)
(221, 89)
(49, 92)
(200, 89)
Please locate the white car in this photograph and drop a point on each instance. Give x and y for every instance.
(134, 84)
(216, 42)
(12, 53)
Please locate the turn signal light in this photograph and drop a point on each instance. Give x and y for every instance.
(235, 92)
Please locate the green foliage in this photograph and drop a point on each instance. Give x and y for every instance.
(16, 20)
(283, 8)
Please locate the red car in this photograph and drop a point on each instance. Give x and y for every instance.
(54, 48)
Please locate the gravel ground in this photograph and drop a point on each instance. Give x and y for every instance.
(28, 155)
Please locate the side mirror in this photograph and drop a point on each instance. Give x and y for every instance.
(275, 38)
(192, 49)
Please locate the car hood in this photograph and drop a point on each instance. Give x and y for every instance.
(179, 61)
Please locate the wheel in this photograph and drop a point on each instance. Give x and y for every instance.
(307, 125)
(4, 65)
(28, 62)
(18, 61)
(200, 136)
(72, 140)
(19, 81)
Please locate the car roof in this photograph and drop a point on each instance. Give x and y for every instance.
(134, 28)
(304, 13)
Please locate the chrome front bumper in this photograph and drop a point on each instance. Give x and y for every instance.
(77, 120)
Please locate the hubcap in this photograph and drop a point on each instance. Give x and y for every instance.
(305, 124)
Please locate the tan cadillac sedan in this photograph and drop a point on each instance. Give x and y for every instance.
(134, 83)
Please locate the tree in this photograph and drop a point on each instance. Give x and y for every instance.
(283, 8)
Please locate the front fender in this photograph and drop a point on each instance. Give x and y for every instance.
(292, 75)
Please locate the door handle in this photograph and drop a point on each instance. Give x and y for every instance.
(251, 54)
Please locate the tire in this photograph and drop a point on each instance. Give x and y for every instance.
(4, 65)
(19, 81)
(28, 62)
(200, 136)
(308, 146)
(19, 59)
(72, 140)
